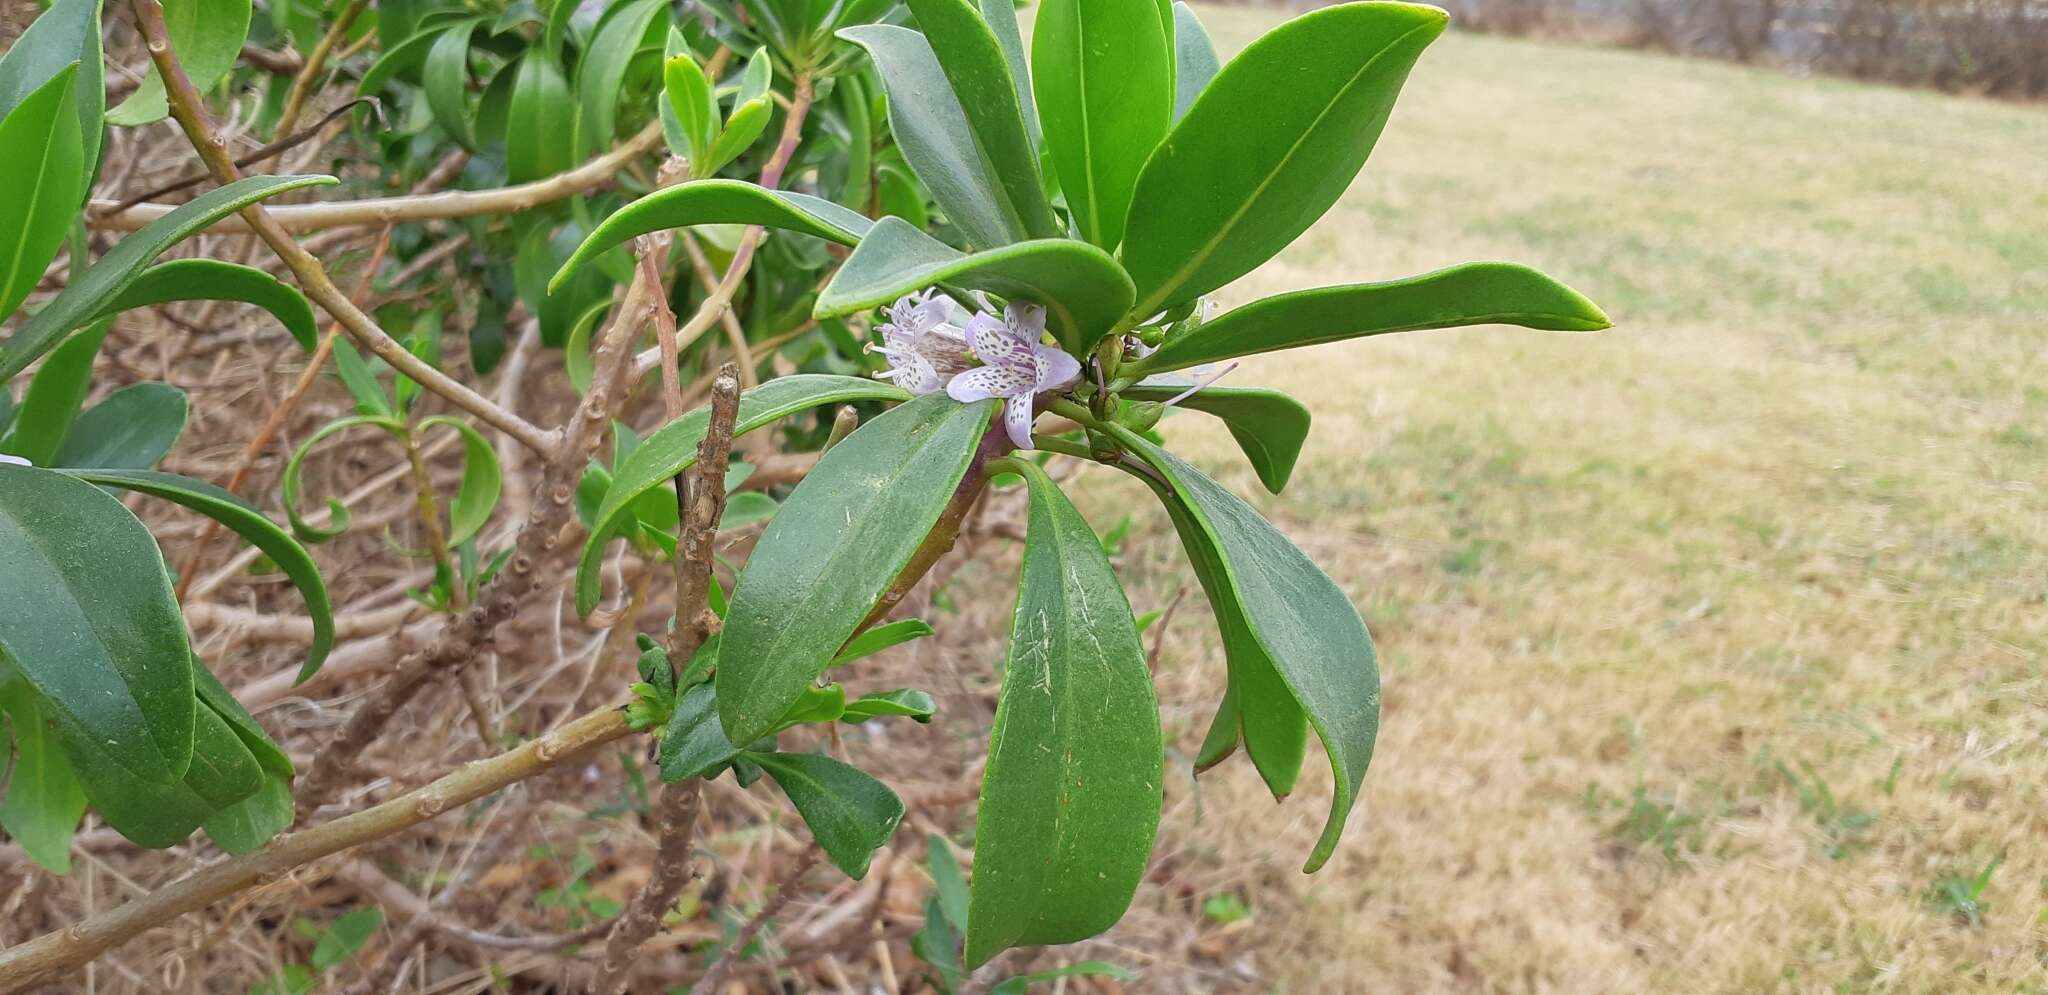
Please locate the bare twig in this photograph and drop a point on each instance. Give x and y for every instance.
(316, 60)
(35, 961)
(785, 889)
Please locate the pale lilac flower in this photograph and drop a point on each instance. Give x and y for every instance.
(925, 347)
(14, 460)
(1018, 365)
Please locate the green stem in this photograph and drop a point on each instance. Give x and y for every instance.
(1054, 444)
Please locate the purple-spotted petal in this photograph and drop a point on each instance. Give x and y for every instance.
(1026, 321)
(1017, 417)
(1055, 369)
(996, 345)
(985, 382)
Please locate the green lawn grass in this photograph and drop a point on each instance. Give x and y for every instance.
(1715, 645)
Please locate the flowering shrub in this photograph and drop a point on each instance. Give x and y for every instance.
(1040, 235)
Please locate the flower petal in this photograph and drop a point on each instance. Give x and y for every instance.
(1017, 418)
(989, 381)
(1026, 321)
(996, 345)
(1054, 368)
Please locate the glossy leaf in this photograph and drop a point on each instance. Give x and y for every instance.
(1297, 615)
(841, 539)
(211, 279)
(1104, 73)
(741, 131)
(747, 508)
(90, 620)
(1269, 145)
(402, 57)
(850, 813)
(689, 99)
(222, 774)
(906, 703)
(54, 395)
(936, 138)
(244, 520)
(971, 56)
(43, 170)
(482, 480)
(67, 32)
(1001, 16)
(338, 516)
(815, 705)
(1082, 288)
(1071, 796)
(248, 824)
(1267, 424)
(882, 637)
(695, 744)
(717, 202)
(1471, 294)
(270, 756)
(539, 121)
(1195, 62)
(601, 73)
(445, 77)
(131, 430)
(208, 36)
(360, 380)
(672, 449)
(43, 802)
(112, 274)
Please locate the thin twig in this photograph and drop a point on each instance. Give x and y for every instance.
(316, 60)
(785, 889)
(270, 151)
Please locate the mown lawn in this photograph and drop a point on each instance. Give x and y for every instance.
(1716, 645)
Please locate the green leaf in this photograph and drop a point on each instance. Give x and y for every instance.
(539, 121)
(694, 744)
(348, 934)
(1001, 16)
(446, 81)
(742, 130)
(936, 138)
(906, 703)
(1269, 145)
(690, 99)
(338, 513)
(68, 32)
(1070, 799)
(360, 381)
(399, 58)
(1082, 288)
(213, 280)
(673, 449)
(43, 170)
(114, 271)
(1104, 71)
(245, 521)
(248, 824)
(949, 883)
(131, 430)
(1267, 424)
(601, 74)
(223, 774)
(717, 202)
(208, 37)
(815, 705)
(1297, 615)
(1194, 57)
(1471, 294)
(971, 56)
(1020, 984)
(482, 480)
(54, 395)
(542, 252)
(270, 756)
(851, 814)
(747, 508)
(43, 801)
(882, 637)
(841, 539)
(90, 620)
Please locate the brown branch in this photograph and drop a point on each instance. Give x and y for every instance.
(37, 960)
(316, 60)
(299, 218)
(270, 151)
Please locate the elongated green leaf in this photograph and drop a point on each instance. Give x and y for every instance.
(54, 395)
(718, 202)
(1021, 984)
(482, 480)
(211, 279)
(68, 32)
(1001, 16)
(1471, 294)
(1104, 72)
(741, 131)
(270, 756)
(248, 824)
(399, 58)
(120, 266)
(695, 744)
(6, 411)
(43, 801)
(971, 56)
(689, 98)
(1267, 424)
(601, 73)
(445, 78)
(338, 517)
(841, 539)
(850, 813)
(1082, 288)
(936, 138)
(539, 121)
(949, 883)
(904, 702)
(1195, 61)
(1070, 799)
(43, 170)
(882, 637)
(1300, 618)
(673, 449)
(245, 521)
(223, 773)
(208, 37)
(86, 615)
(131, 430)
(1268, 146)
